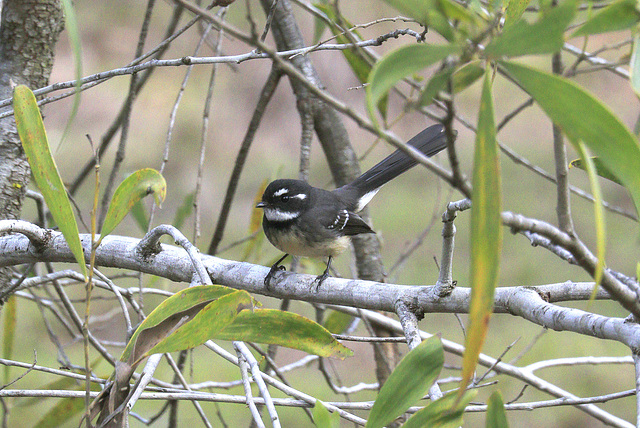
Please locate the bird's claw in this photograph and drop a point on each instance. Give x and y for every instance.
(275, 268)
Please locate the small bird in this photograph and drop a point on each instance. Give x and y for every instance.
(303, 220)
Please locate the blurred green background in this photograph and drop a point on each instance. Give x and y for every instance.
(109, 32)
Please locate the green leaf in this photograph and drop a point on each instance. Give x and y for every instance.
(598, 215)
(400, 64)
(206, 324)
(62, 412)
(445, 412)
(276, 327)
(514, 11)
(337, 322)
(496, 416)
(44, 170)
(177, 309)
(634, 66)
(140, 217)
(460, 79)
(467, 75)
(620, 15)
(322, 418)
(10, 310)
(71, 25)
(486, 233)
(135, 187)
(544, 36)
(408, 382)
(436, 84)
(601, 170)
(184, 210)
(583, 118)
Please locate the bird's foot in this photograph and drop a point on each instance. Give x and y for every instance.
(320, 279)
(275, 268)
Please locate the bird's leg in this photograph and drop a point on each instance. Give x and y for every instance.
(320, 278)
(275, 268)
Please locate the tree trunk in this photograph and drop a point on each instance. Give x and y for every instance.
(29, 31)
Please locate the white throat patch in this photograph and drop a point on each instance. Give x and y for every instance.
(273, 214)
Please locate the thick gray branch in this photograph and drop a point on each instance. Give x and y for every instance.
(175, 264)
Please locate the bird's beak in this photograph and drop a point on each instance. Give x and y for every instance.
(261, 204)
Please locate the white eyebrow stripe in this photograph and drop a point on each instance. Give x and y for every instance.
(300, 196)
(279, 216)
(281, 192)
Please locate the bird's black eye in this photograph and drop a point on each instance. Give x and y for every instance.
(284, 198)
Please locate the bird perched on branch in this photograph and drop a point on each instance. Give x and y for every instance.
(303, 220)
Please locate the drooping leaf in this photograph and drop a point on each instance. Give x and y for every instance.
(584, 118)
(634, 66)
(337, 322)
(486, 233)
(400, 64)
(598, 209)
(43, 167)
(544, 36)
(323, 418)
(211, 319)
(496, 416)
(467, 75)
(62, 412)
(255, 243)
(281, 328)
(71, 25)
(169, 315)
(10, 310)
(135, 187)
(445, 412)
(408, 382)
(184, 210)
(438, 83)
(619, 15)
(140, 217)
(460, 80)
(601, 170)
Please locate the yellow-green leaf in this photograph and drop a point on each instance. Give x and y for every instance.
(486, 233)
(496, 416)
(71, 25)
(206, 324)
(634, 66)
(135, 187)
(400, 64)
(598, 215)
(10, 310)
(44, 170)
(601, 170)
(322, 418)
(185, 303)
(408, 382)
(584, 118)
(337, 322)
(275, 327)
(514, 11)
(544, 36)
(445, 412)
(619, 15)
